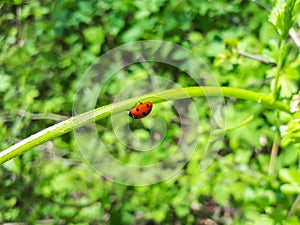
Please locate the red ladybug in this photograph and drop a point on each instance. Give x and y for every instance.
(140, 111)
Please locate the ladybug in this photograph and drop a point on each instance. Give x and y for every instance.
(140, 111)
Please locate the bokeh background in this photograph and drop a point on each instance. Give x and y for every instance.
(46, 46)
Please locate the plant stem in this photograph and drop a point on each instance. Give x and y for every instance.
(279, 68)
(246, 121)
(104, 111)
(274, 154)
(294, 206)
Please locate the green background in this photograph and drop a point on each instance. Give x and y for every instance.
(46, 46)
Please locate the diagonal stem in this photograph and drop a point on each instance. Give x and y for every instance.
(104, 111)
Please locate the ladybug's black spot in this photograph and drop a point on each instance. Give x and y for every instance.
(137, 109)
(144, 114)
(148, 106)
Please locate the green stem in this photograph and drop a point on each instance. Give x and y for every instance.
(246, 121)
(104, 111)
(279, 68)
(294, 206)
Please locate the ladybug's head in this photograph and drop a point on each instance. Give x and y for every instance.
(129, 113)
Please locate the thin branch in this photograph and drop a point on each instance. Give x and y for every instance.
(294, 206)
(253, 56)
(274, 154)
(32, 116)
(262, 5)
(246, 121)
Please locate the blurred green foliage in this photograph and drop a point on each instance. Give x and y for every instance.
(46, 46)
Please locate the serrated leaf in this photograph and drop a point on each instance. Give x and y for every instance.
(283, 15)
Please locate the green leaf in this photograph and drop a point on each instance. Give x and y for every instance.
(94, 35)
(13, 165)
(292, 135)
(5, 82)
(290, 176)
(290, 189)
(288, 87)
(283, 15)
(133, 34)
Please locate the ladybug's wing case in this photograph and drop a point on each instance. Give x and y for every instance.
(135, 112)
(140, 111)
